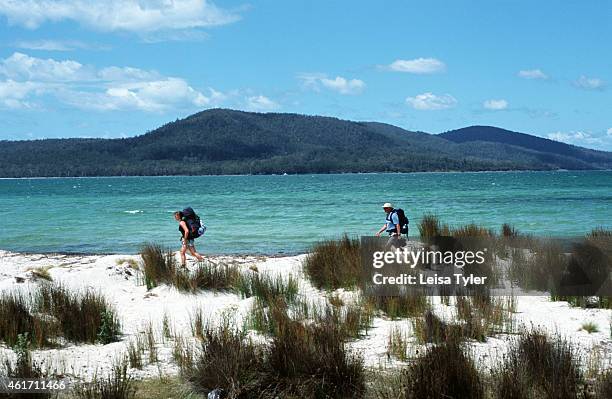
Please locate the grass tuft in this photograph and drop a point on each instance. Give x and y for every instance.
(334, 264)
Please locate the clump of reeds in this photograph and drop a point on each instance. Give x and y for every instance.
(225, 360)
(17, 316)
(53, 311)
(213, 277)
(304, 359)
(397, 344)
(160, 267)
(267, 288)
(539, 366)
(444, 371)
(508, 231)
(82, 316)
(313, 361)
(590, 327)
(603, 385)
(430, 227)
(41, 273)
(401, 306)
(600, 232)
(472, 230)
(431, 329)
(118, 384)
(334, 264)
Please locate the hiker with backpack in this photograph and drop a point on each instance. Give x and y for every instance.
(396, 224)
(191, 228)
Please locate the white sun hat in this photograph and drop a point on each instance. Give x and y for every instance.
(387, 205)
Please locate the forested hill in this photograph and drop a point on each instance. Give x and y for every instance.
(220, 141)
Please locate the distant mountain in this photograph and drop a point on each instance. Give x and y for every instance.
(545, 147)
(221, 141)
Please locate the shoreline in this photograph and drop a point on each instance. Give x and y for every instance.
(319, 174)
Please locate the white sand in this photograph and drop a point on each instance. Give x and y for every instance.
(138, 307)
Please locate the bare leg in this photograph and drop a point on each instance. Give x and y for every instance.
(195, 253)
(183, 257)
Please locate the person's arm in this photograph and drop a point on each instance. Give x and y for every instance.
(185, 232)
(381, 229)
(395, 220)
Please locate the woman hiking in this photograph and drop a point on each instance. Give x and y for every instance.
(187, 236)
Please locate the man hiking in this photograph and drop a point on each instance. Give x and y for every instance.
(396, 224)
(190, 228)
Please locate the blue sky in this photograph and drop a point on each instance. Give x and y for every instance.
(115, 68)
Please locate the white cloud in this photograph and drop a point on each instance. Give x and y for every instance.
(576, 137)
(261, 103)
(430, 101)
(55, 45)
(151, 96)
(314, 81)
(495, 105)
(20, 66)
(590, 83)
(532, 74)
(13, 94)
(118, 15)
(343, 85)
(418, 66)
(110, 88)
(609, 132)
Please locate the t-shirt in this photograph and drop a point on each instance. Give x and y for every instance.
(392, 221)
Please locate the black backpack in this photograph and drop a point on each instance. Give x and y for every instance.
(403, 220)
(193, 222)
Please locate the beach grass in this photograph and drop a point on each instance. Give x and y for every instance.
(444, 371)
(539, 366)
(118, 384)
(52, 311)
(590, 327)
(333, 264)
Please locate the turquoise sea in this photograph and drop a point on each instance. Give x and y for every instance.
(286, 214)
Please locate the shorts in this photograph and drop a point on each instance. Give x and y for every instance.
(191, 243)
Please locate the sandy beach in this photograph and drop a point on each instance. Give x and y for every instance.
(116, 277)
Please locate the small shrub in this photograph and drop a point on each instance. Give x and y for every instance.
(590, 327)
(334, 264)
(430, 329)
(42, 273)
(603, 385)
(24, 367)
(600, 232)
(226, 360)
(312, 361)
(397, 344)
(268, 288)
(429, 227)
(183, 354)
(117, 385)
(80, 315)
(472, 230)
(109, 328)
(151, 343)
(52, 311)
(443, 372)
(17, 316)
(213, 277)
(508, 231)
(135, 351)
(159, 265)
(544, 366)
(401, 306)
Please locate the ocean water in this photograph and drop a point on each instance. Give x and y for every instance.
(286, 214)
